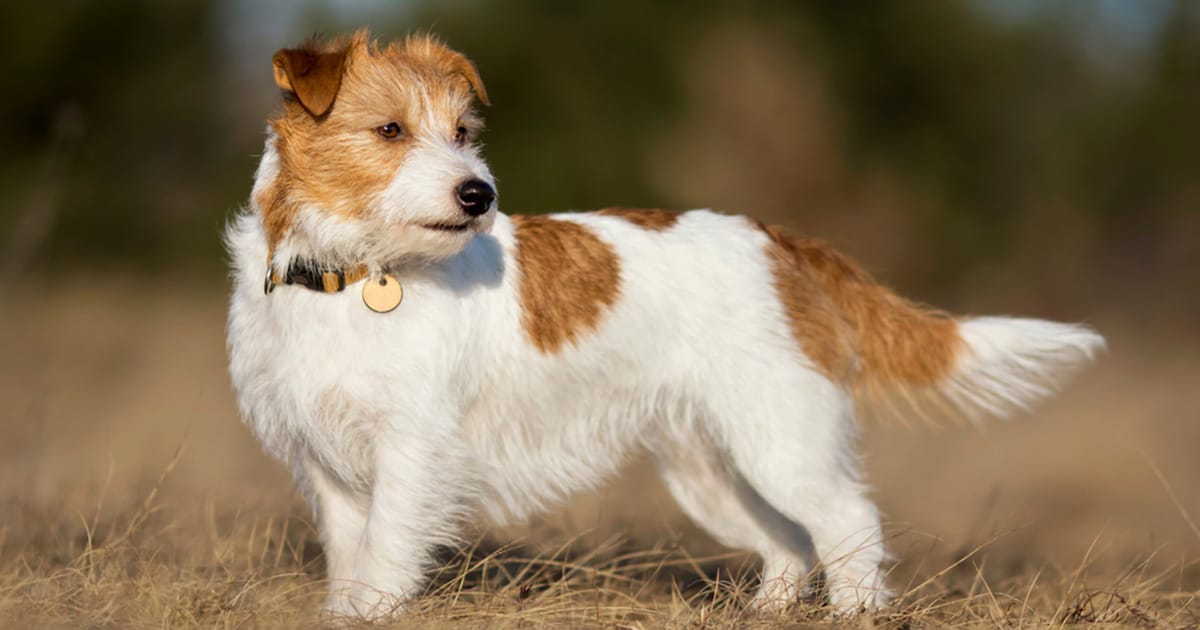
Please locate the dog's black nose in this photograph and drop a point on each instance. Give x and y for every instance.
(475, 196)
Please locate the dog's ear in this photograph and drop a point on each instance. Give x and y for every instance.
(452, 62)
(312, 76)
(459, 64)
(467, 68)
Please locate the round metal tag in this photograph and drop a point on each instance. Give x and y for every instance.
(382, 294)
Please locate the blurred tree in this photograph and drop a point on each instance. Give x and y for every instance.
(140, 77)
(950, 141)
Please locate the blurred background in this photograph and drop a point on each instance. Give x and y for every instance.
(1001, 156)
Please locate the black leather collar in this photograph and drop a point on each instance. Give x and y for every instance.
(314, 277)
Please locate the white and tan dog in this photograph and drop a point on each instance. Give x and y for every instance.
(418, 358)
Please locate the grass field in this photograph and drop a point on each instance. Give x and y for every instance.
(131, 495)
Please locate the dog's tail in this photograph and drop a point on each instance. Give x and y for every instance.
(904, 360)
(996, 366)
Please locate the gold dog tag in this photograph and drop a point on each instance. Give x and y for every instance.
(382, 294)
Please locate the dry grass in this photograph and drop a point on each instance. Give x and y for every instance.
(131, 496)
(147, 567)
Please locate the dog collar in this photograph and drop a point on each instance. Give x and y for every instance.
(314, 277)
(381, 293)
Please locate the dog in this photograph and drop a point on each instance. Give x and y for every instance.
(419, 359)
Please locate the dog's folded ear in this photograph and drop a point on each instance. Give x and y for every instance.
(467, 69)
(312, 76)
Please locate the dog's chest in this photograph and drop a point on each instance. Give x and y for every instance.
(317, 375)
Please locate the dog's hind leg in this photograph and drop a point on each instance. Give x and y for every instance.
(720, 500)
(792, 440)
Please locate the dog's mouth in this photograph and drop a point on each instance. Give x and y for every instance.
(448, 227)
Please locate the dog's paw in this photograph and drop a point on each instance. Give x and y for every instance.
(361, 603)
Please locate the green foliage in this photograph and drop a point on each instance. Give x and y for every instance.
(124, 92)
(985, 128)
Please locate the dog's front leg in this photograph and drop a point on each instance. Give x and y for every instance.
(416, 499)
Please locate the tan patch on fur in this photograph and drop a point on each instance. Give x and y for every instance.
(650, 219)
(277, 213)
(856, 330)
(568, 277)
(333, 160)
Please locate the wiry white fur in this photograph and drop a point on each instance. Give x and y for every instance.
(397, 426)
(1012, 363)
(1006, 365)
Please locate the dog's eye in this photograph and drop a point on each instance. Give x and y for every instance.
(460, 135)
(390, 131)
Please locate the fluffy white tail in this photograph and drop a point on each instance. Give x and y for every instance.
(1001, 366)
(1007, 364)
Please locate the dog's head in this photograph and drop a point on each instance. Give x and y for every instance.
(374, 155)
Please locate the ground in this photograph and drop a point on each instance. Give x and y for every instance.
(131, 495)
